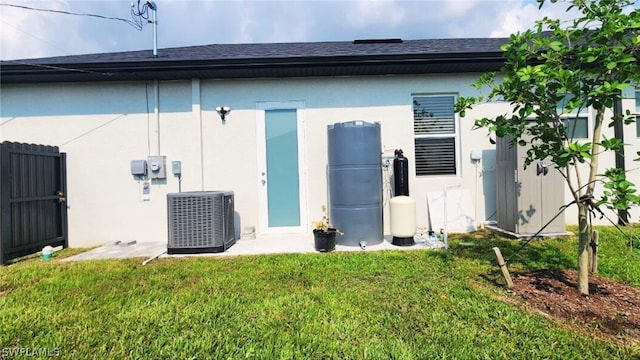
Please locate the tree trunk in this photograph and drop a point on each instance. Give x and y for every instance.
(583, 250)
(585, 235)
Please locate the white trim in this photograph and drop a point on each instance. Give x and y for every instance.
(279, 105)
(263, 212)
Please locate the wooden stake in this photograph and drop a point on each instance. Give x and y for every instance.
(503, 267)
(594, 251)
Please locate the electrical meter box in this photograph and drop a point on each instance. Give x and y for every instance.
(157, 167)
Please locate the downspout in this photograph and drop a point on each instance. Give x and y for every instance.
(196, 111)
(618, 133)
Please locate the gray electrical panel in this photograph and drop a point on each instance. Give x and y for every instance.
(139, 167)
(527, 199)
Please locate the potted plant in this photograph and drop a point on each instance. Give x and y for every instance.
(324, 234)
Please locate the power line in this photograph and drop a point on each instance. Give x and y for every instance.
(35, 37)
(136, 25)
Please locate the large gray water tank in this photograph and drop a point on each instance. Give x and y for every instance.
(355, 182)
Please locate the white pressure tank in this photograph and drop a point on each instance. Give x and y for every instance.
(403, 220)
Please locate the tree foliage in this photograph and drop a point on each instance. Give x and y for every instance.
(552, 75)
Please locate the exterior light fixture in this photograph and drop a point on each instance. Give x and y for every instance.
(223, 111)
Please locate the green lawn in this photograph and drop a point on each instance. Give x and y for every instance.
(361, 305)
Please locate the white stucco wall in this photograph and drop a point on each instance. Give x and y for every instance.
(103, 126)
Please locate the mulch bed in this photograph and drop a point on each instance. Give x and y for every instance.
(611, 310)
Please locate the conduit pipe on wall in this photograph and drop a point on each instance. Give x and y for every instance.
(156, 111)
(445, 229)
(196, 111)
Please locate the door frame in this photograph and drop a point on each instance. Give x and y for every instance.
(263, 209)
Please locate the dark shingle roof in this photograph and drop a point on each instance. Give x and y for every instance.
(266, 60)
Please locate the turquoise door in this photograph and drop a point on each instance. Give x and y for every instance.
(281, 167)
(282, 176)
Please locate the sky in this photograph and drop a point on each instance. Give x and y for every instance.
(34, 34)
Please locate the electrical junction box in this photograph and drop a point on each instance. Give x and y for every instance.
(176, 168)
(139, 167)
(476, 154)
(146, 191)
(157, 167)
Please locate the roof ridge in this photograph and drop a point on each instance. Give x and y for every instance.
(347, 45)
(326, 58)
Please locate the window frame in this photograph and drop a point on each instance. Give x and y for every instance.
(576, 118)
(583, 115)
(455, 135)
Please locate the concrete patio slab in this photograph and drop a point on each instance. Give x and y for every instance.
(264, 245)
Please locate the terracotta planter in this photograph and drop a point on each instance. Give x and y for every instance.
(325, 241)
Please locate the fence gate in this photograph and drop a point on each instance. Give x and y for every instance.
(33, 210)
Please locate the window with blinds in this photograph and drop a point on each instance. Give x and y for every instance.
(435, 132)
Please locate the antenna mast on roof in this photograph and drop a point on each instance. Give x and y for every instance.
(142, 13)
(154, 7)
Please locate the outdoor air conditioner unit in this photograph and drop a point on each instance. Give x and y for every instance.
(200, 222)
